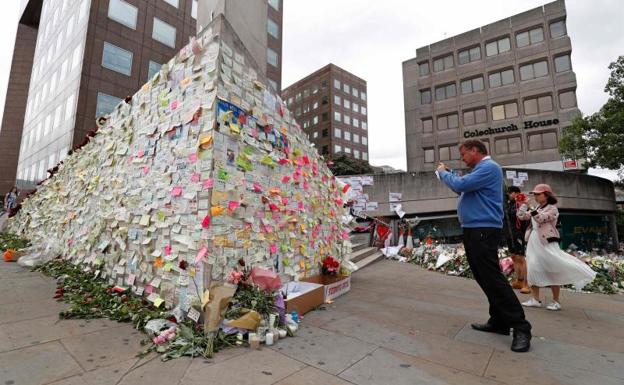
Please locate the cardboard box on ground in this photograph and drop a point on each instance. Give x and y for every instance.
(203, 167)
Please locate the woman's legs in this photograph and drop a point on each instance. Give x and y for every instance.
(535, 290)
(523, 269)
(555, 292)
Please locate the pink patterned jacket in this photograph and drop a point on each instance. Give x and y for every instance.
(546, 219)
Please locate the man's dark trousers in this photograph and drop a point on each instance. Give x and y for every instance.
(482, 252)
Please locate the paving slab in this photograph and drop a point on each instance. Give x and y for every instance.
(37, 365)
(156, 372)
(522, 369)
(466, 356)
(388, 367)
(330, 352)
(20, 311)
(108, 375)
(312, 376)
(104, 347)
(257, 367)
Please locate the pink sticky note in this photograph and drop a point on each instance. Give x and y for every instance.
(174, 104)
(206, 222)
(193, 157)
(208, 183)
(300, 205)
(257, 187)
(345, 235)
(195, 177)
(233, 205)
(146, 170)
(140, 153)
(273, 249)
(284, 201)
(177, 191)
(285, 179)
(149, 289)
(167, 249)
(201, 254)
(131, 278)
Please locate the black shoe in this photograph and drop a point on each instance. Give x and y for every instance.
(489, 328)
(521, 341)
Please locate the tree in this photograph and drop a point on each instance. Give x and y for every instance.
(346, 165)
(599, 138)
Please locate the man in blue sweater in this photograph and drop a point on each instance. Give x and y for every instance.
(480, 211)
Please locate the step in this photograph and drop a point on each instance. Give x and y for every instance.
(358, 246)
(369, 260)
(361, 254)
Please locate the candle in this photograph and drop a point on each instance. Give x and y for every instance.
(254, 341)
(269, 339)
(282, 333)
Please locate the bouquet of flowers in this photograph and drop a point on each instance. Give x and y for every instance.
(330, 266)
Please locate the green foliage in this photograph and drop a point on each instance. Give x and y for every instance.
(250, 297)
(599, 138)
(347, 165)
(12, 241)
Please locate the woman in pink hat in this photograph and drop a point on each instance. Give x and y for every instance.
(547, 264)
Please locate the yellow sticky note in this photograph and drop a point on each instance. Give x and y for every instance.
(145, 220)
(158, 301)
(205, 298)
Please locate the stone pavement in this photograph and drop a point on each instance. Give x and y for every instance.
(398, 325)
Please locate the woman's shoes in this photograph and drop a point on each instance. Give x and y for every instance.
(532, 303)
(555, 306)
(525, 290)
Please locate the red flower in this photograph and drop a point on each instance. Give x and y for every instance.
(183, 265)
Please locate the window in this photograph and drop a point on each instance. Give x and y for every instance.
(356, 138)
(429, 155)
(567, 99)
(347, 104)
(306, 93)
(356, 154)
(315, 135)
(324, 84)
(542, 141)
(365, 155)
(472, 85)
(164, 33)
(364, 125)
(69, 107)
(448, 152)
(315, 105)
(337, 148)
(315, 119)
(153, 69)
(498, 46)
(346, 119)
(273, 84)
(337, 100)
(314, 89)
(505, 111)
(557, 29)
(445, 92)
(298, 97)
(447, 121)
(355, 92)
(363, 110)
(123, 13)
(425, 96)
(532, 36)
(538, 105)
(194, 9)
(306, 124)
(423, 68)
(469, 55)
(508, 145)
(306, 108)
(105, 104)
(364, 140)
(363, 95)
(443, 63)
(298, 111)
(501, 78)
(337, 84)
(356, 107)
(274, 4)
(174, 3)
(324, 116)
(272, 28)
(76, 57)
(346, 88)
(562, 63)
(476, 116)
(347, 150)
(272, 57)
(347, 135)
(117, 59)
(356, 123)
(337, 116)
(533, 70)
(427, 125)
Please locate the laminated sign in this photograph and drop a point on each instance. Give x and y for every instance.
(202, 167)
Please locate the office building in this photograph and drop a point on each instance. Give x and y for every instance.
(88, 55)
(509, 84)
(330, 105)
(258, 23)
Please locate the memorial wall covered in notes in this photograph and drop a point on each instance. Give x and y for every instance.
(202, 167)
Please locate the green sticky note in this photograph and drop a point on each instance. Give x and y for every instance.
(222, 175)
(168, 266)
(158, 301)
(286, 261)
(161, 216)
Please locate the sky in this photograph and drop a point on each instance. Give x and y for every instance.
(371, 39)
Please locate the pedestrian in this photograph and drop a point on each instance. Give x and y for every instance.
(10, 200)
(547, 264)
(515, 231)
(480, 212)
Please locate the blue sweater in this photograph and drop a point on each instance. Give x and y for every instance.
(480, 202)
